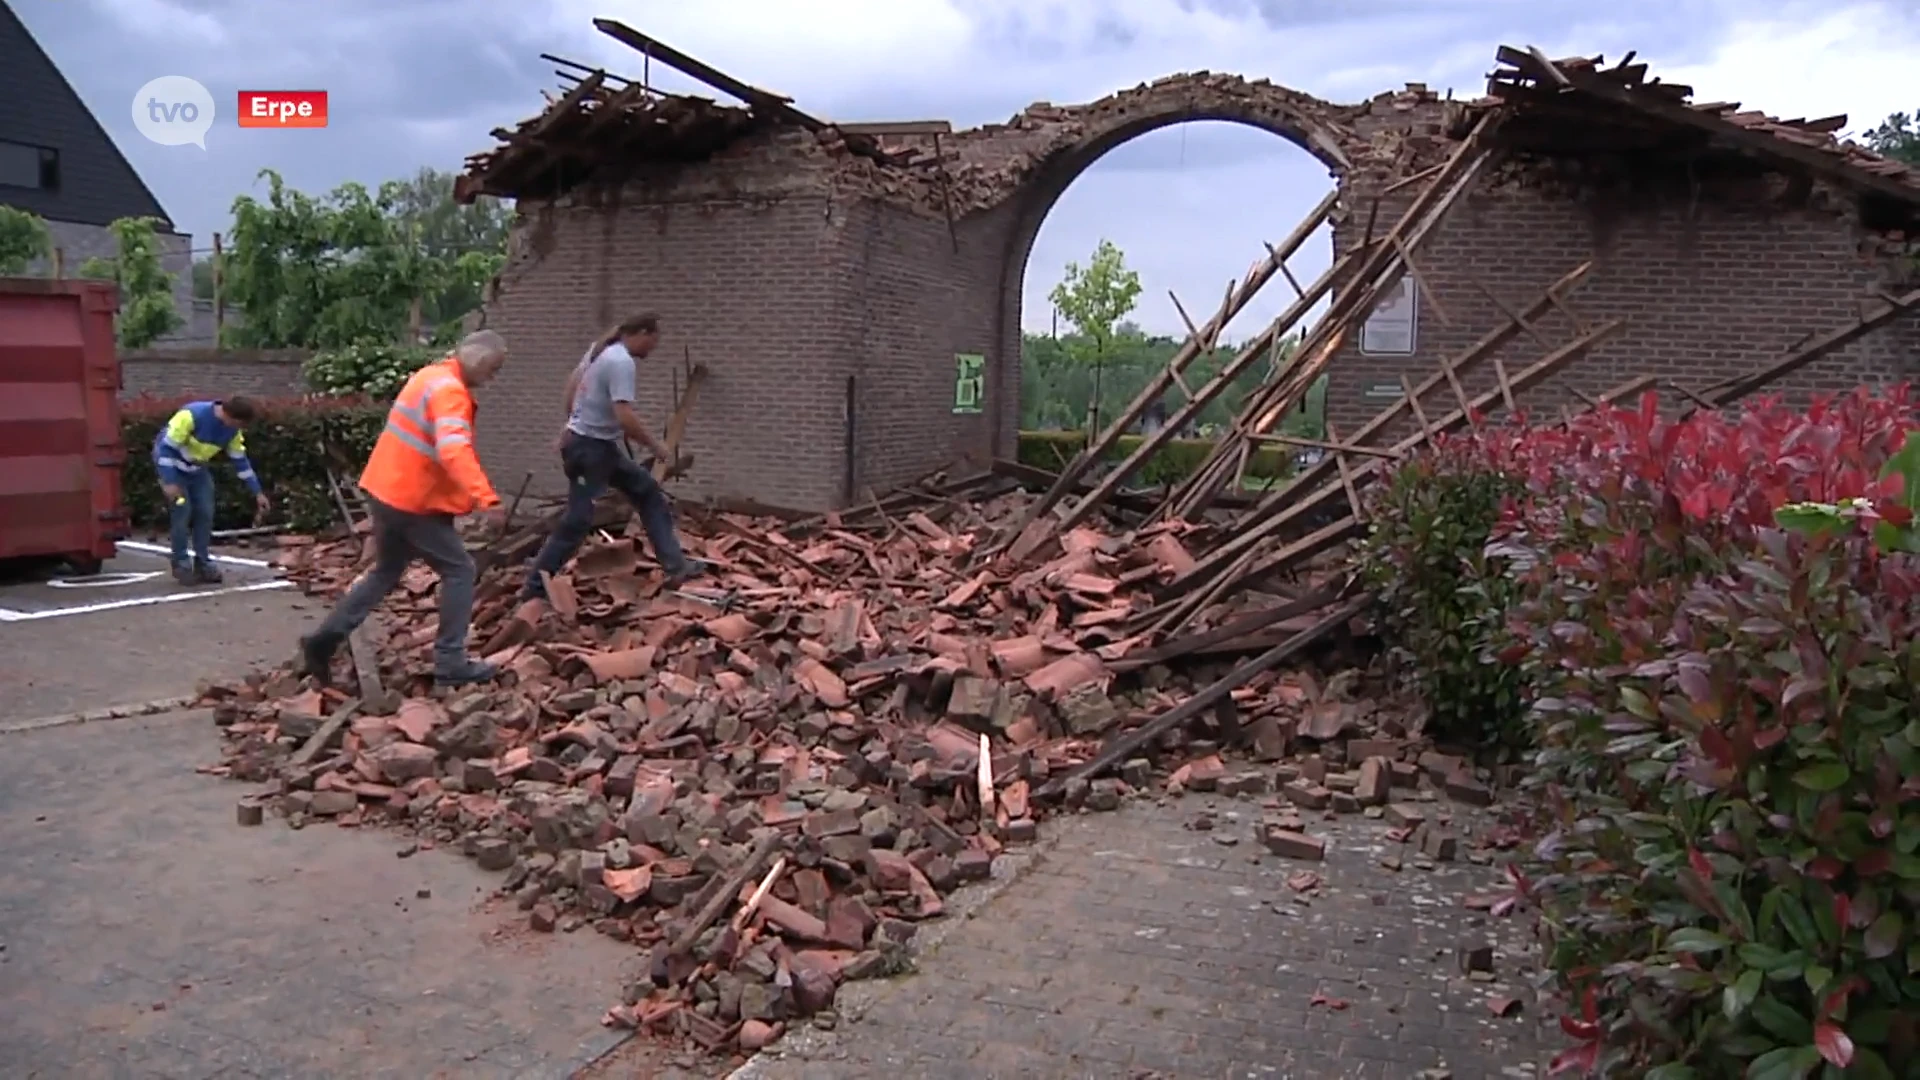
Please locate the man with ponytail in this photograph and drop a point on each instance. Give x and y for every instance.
(600, 414)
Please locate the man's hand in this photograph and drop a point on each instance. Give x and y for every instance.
(261, 506)
(171, 491)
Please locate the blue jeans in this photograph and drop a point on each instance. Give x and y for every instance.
(191, 515)
(592, 466)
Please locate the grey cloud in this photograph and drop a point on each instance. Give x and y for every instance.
(421, 82)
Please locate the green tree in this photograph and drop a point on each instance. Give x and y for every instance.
(1898, 137)
(475, 232)
(203, 279)
(1094, 299)
(339, 270)
(23, 239)
(147, 309)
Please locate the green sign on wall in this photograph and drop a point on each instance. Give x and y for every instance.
(969, 382)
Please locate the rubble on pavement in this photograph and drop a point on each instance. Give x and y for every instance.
(768, 778)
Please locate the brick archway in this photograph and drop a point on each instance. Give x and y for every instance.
(1047, 147)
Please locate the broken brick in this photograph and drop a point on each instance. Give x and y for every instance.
(1463, 787)
(1376, 781)
(1308, 795)
(1404, 815)
(1293, 845)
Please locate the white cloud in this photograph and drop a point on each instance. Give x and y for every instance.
(1858, 60)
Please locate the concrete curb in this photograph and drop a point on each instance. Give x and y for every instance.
(114, 712)
(593, 1051)
(808, 1043)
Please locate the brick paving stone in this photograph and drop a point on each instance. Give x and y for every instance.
(1135, 947)
(144, 934)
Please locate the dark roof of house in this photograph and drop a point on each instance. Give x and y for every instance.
(1580, 105)
(38, 106)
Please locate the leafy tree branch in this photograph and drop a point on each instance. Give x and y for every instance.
(147, 310)
(23, 239)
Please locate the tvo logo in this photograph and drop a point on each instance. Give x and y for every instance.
(173, 110)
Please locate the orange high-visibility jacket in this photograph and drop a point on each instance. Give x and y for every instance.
(424, 462)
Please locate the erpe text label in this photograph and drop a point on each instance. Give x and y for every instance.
(283, 108)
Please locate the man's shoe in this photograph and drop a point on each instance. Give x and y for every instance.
(685, 572)
(474, 671)
(184, 575)
(316, 657)
(208, 574)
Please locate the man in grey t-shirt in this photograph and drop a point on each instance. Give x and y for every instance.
(603, 379)
(600, 413)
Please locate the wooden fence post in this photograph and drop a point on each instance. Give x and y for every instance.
(415, 315)
(219, 298)
(59, 264)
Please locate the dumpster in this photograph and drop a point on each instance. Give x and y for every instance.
(60, 451)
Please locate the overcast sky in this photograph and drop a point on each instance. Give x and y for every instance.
(421, 82)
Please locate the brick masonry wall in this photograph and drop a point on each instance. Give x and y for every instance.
(920, 295)
(789, 268)
(1708, 291)
(744, 283)
(206, 373)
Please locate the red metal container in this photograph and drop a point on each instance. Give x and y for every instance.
(60, 451)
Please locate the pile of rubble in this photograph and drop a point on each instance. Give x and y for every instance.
(768, 781)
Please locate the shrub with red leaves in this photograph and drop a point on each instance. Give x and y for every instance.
(285, 447)
(1727, 722)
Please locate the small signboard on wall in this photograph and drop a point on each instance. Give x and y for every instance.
(1393, 328)
(1384, 391)
(969, 382)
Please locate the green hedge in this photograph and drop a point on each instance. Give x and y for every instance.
(285, 447)
(1174, 462)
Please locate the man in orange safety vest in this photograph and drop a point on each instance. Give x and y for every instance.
(422, 475)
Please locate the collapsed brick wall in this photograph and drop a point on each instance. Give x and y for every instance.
(790, 265)
(205, 373)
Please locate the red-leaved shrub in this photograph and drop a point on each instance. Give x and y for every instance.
(1727, 733)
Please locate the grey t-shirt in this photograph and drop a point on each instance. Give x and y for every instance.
(606, 378)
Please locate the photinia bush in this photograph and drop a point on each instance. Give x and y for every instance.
(1727, 732)
(285, 446)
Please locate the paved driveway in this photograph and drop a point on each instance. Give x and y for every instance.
(77, 645)
(147, 935)
(1135, 945)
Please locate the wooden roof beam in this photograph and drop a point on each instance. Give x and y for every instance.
(897, 127)
(656, 50)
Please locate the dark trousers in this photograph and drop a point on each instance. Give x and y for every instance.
(190, 517)
(592, 466)
(398, 539)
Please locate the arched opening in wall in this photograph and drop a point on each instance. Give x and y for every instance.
(1189, 207)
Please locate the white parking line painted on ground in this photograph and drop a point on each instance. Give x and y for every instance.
(156, 549)
(8, 615)
(103, 581)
